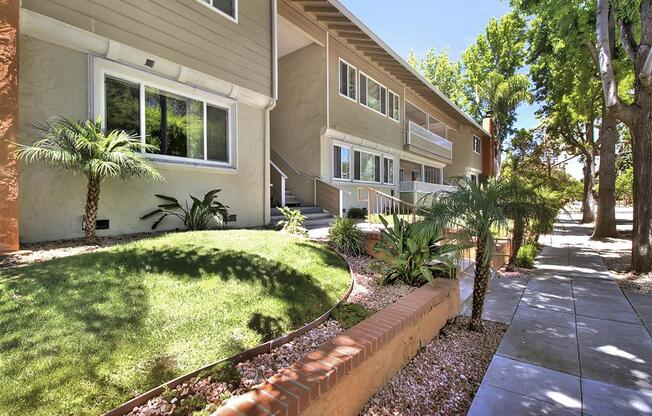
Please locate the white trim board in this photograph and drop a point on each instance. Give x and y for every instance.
(54, 31)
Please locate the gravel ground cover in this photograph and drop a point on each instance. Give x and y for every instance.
(517, 273)
(444, 377)
(618, 259)
(207, 393)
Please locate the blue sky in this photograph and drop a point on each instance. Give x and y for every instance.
(423, 24)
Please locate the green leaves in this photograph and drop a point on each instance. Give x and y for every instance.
(84, 147)
(415, 256)
(292, 221)
(203, 214)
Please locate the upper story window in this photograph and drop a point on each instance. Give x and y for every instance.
(477, 145)
(183, 126)
(373, 94)
(228, 8)
(348, 80)
(393, 101)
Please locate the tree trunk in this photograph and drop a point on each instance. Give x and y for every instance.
(642, 155)
(587, 196)
(518, 235)
(480, 286)
(605, 222)
(92, 203)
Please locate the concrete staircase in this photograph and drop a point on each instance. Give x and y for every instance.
(291, 200)
(315, 216)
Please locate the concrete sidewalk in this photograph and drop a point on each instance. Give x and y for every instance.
(576, 344)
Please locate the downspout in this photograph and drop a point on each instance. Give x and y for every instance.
(268, 110)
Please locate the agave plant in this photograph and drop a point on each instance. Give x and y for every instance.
(84, 147)
(416, 257)
(203, 214)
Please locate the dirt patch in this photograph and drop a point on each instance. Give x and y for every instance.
(444, 377)
(617, 256)
(39, 252)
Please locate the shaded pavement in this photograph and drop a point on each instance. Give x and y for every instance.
(576, 343)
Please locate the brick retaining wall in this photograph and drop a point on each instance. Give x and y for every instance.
(342, 374)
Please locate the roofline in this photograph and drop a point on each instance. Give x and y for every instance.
(342, 9)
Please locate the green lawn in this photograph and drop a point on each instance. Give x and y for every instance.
(82, 334)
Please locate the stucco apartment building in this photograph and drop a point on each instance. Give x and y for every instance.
(296, 94)
(352, 114)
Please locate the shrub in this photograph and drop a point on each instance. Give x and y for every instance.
(203, 214)
(526, 255)
(356, 214)
(292, 221)
(346, 237)
(350, 314)
(416, 257)
(224, 372)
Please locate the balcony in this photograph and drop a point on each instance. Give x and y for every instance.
(423, 141)
(424, 187)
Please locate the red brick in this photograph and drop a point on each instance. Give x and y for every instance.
(276, 401)
(298, 392)
(291, 374)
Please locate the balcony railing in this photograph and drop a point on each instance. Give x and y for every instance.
(424, 187)
(430, 136)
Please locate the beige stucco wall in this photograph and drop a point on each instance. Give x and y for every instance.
(54, 82)
(300, 115)
(182, 31)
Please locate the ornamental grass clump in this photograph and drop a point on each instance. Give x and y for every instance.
(346, 237)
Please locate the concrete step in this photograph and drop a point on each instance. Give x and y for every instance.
(304, 210)
(312, 224)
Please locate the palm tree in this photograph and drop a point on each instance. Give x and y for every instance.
(84, 147)
(501, 95)
(476, 209)
(525, 207)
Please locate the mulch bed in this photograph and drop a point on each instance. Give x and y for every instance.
(517, 273)
(209, 394)
(444, 377)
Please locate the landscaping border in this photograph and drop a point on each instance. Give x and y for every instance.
(355, 364)
(263, 348)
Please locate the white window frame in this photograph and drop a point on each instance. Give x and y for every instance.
(382, 170)
(360, 73)
(339, 77)
(215, 9)
(479, 150)
(369, 152)
(103, 68)
(353, 149)
(398, 110)
(350, 149)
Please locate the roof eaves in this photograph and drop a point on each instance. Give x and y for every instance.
(342, 9)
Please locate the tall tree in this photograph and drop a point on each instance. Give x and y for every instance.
(566, 76)
(492, 77)
(635, 26)
(486, 82)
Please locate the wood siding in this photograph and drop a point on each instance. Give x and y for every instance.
(182, 31)
(353, 118)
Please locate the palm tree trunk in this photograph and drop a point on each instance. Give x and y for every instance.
(92, 204)
(518, 236)
(480, 285)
